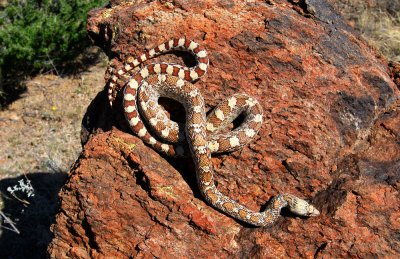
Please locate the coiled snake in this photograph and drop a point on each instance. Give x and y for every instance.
(201, 133)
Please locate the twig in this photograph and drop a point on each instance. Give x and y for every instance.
(52, 64)
(9, 221)
(21, 200)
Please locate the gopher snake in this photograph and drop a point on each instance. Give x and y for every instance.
(200, 133)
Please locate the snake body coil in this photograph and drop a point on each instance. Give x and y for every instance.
(202, 134)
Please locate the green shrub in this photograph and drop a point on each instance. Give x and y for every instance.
(40, 35)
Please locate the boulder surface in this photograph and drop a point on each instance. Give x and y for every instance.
(331, 134)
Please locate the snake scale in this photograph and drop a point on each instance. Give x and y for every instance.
(200, 136)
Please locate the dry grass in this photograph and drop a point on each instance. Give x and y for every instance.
(383, 31)
(377, 20)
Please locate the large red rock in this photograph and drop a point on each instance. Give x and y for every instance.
(331, 135)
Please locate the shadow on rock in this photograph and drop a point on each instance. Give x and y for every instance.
(32, 216)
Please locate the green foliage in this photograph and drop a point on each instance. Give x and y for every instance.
(39, 35)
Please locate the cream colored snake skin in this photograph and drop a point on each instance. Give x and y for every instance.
(202, 135)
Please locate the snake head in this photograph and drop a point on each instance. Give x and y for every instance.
(301, 207)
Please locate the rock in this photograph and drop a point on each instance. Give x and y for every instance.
(331, 135)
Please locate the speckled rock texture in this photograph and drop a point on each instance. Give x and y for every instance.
(331, 135)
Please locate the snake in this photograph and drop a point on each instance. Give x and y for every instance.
(200, 135)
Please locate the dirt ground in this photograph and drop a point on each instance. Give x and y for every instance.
(40, 131)
(39, 142)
